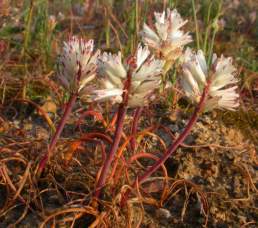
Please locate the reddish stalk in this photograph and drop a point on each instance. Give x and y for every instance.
(117, 137)
(57, 134)
(174, 146)
(136, 117)
(110, 158)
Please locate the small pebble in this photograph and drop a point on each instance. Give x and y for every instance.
(163, 213)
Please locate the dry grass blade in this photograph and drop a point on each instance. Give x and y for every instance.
(247, 174)
(147, 155)
(98, 220)
(188, 194)
(248, 224)
(11, 185)
(98, 116)
(23, 214)
(72, 147)
(93, 135)
(85, 210)
(23, 180)
(194, 188)
(118, 156)
(111, 124)
(130, 221)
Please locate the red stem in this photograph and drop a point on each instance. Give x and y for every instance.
(117, 137)
(109, 159)
(136, 117)
(57, 134)
(173, 147)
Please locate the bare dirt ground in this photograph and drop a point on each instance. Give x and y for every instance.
(212, 177)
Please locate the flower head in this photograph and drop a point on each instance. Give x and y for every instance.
(77, 64)
(222, 93)
(113, 73)
(168, 39)
(145, 78)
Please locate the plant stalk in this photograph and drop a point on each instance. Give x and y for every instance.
(174, 146)
(117, 137)
(196, 25)
(208, 26)
(57, 134)
(107, 26)
(110, 157)
(215, 30)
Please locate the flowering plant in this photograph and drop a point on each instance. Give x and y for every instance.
(77, 64)
(221, 74)
(145, 78)
(168, 40)
(134, 83)
(209, 88)
(76, 68)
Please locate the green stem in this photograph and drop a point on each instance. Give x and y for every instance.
(27, 30)
(196, 25)
(207, 31)
(137, 18)
(215, 30)
(107, 26)
(211, 46)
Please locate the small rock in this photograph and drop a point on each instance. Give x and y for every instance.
(163, 213)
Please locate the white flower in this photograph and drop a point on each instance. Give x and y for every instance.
(224, 73)
(226, 99)
(142, 55)
(106, 94)
(195, 75)
(112, 66)
(150, 70)
(169, 39)
(77, 64)
(113, 73)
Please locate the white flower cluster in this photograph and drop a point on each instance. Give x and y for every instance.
(169, 39)
(222, 92)
(145, 78)
(77, 64)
